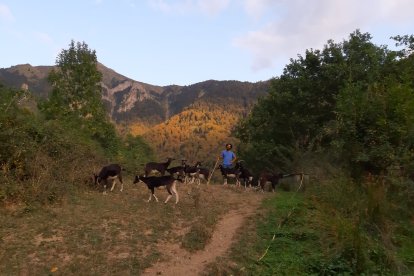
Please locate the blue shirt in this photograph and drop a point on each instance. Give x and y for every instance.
(227, 156)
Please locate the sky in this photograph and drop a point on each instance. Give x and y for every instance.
(183, 42)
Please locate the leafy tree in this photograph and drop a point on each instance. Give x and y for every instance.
(375, 114)
(354, 96)
(76, 96)
(76, 85)
(290, 119)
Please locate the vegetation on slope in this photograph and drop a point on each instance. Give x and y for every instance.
(48, 153)
(198, 133)
(345, 115)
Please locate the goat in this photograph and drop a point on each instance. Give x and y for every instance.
(178, 170)
(203, 173)
(157, 167)
(191, 171)
(272, 178)
(230, 173)
(109, 172)
(245, 174)
(153, 182)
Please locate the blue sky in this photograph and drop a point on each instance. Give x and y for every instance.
(163, 42)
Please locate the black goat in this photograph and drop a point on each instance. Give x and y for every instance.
(203, 173)
(230, 173)
(179, 171)
(109, 172)
(191, 171)
(157, 167)
(266, 177)
(245, 175)
(153, 182)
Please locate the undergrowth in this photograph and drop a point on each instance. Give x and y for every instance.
(336, 227)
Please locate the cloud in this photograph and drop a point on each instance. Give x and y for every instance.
(44, 38)
(209, 7)
(399, 11)
(256, 8)
(289, 27)
(5, 14)
(213, 7)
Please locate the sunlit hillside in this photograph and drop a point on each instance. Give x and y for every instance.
(196, 134)
(192, 122)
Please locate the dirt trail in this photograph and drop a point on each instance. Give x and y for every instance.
(183, 262)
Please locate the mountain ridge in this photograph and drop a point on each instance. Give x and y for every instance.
(141, 109)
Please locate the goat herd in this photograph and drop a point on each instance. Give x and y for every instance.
(184, 173)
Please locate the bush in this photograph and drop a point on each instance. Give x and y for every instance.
(44, 160)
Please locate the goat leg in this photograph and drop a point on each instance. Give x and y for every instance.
(176, 197)
(174, 190)
(168, 198)
(169, 186)
(113, 185)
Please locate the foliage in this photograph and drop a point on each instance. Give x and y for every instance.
(198, 133)
(375, 114)
(337, 227)
(349, 106)
(38, 159)
(134, 152)
(45, 156)
(352, 99)
(76, 84)
(76, 96)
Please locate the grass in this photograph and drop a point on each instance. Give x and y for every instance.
(321, 239)
(317, 232)
(116, 234)
(294, 246)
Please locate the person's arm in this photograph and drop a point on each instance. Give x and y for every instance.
(234, 158)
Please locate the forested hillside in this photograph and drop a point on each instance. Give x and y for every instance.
(198, 133)
(135, 107)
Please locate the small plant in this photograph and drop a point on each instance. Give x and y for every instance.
(197, 237)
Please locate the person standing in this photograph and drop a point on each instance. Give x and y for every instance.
(228, 157)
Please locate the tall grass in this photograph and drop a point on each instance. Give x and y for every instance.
(336, 227)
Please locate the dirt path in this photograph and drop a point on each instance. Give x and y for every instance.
(182, 262)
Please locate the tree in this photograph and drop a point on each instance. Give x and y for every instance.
(76, 96)
(375, 113)
(291, 118)
(76, 85)
(353, 100)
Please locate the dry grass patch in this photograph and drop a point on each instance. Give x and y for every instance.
(108, 235)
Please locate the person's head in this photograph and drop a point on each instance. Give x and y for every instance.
(229, 146)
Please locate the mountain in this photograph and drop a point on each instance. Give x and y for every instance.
(179, 121)
(25, 76)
